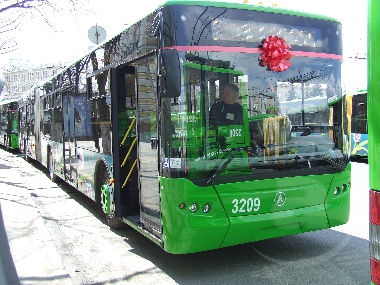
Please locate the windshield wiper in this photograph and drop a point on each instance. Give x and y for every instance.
(281, 163)
(326, 158)
(333, 163)
(230, 153)
(298, 162)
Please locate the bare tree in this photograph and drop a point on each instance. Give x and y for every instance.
(13, 12)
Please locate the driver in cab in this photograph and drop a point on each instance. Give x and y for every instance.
(228, 111)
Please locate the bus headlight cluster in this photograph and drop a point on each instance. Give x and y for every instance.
(342, 188)
(194, 207)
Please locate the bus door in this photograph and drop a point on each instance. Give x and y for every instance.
(68, 137)
(135, 148)
(147, 147)
(127, 198)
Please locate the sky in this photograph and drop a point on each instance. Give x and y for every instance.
(67, 38)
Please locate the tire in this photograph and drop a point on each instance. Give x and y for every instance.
(103, 178)
(114, 222)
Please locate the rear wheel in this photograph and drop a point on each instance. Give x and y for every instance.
(103, 179)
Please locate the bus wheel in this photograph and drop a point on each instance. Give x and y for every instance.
(52, 175)
(101, 186)
(114, 222)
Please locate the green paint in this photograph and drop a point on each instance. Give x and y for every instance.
(373, 94)
(310, 205)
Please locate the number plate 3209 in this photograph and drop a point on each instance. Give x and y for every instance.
(245, 205)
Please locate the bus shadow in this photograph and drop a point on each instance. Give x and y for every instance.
(285, 260)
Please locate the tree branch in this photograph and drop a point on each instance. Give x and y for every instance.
(24, 8)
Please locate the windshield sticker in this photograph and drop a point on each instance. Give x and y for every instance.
(175, 163)
(165, 162)
(171, 163)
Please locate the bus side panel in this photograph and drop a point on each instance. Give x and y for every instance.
(31, 147)
(86, 162)
(86, 166)
(44, 147)
(57, 156)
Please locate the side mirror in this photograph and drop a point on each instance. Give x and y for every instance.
(171, 74)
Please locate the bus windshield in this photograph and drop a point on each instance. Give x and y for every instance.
(288, 109)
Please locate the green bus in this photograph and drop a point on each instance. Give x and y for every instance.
(129, 125)
(374, 138)
(9, 121)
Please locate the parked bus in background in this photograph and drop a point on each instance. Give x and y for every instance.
(357, 123)
(374, 137)
(9, 123)
(129, 125)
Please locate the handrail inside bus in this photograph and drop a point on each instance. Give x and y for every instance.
(128, 131)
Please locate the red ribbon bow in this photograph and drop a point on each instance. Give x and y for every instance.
(276, 54)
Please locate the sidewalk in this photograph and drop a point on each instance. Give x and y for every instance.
(31, 256)
(8, 274)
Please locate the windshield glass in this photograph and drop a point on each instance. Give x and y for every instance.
(241, 114)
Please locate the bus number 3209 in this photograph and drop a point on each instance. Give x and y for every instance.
(245, 205)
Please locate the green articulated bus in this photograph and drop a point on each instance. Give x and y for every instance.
(374, 138)
(9, 123)
(130, 124)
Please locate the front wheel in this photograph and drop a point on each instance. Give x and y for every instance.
(115, 222)
(103, 200)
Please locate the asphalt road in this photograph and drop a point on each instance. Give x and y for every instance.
(57, 236)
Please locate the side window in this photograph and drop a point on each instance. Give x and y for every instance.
(57, 119)
(359, 114)
(83, 124)
(46, 130)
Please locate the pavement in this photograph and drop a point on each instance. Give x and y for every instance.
(27, 252)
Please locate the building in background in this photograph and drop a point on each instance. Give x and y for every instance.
(21, 75)
(2, 83)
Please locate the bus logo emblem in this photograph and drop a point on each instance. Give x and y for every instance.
(280, 199)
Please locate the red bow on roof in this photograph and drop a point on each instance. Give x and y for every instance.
(276, 54)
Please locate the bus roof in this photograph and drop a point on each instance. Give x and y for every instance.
(7, 101)
(217, 3)
(247, 6)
